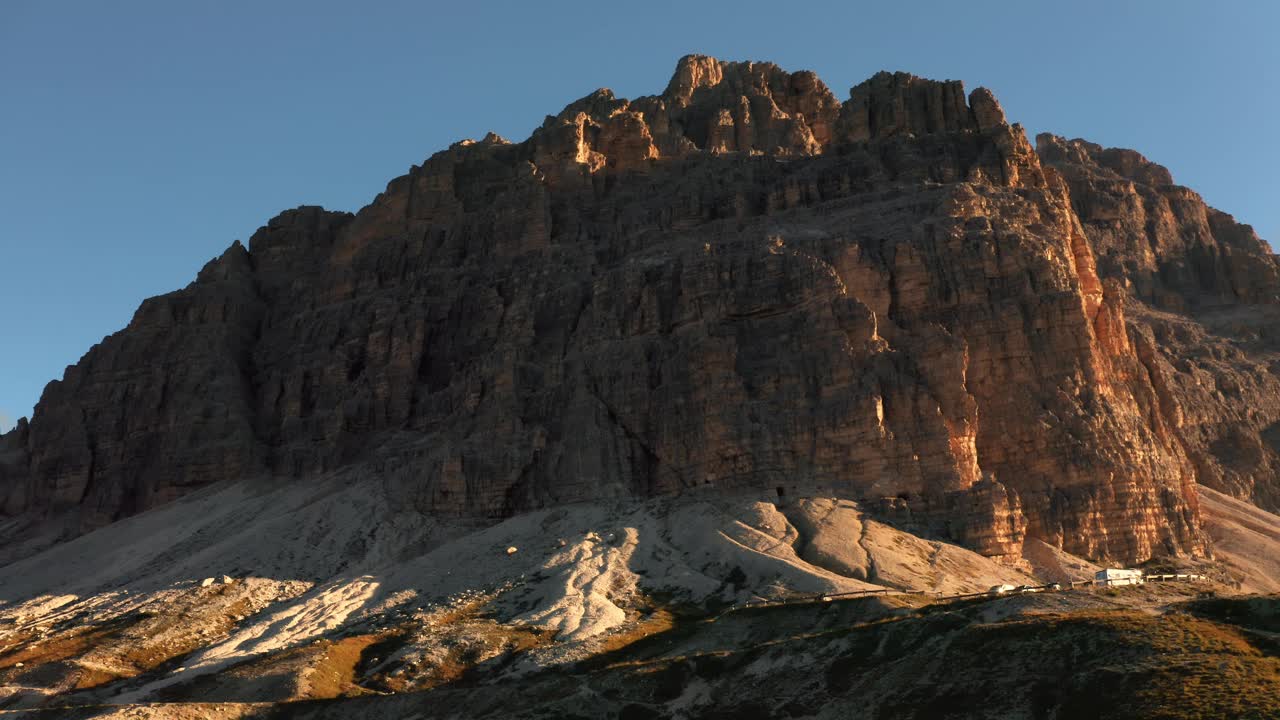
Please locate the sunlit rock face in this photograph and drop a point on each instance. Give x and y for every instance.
(1174, 251)
(740, 283)
(1205, 297)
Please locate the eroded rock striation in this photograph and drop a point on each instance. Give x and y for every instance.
(1204, 309)
(742, 283)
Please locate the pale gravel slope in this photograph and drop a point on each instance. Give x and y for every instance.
(1246, 539)
(322, 557)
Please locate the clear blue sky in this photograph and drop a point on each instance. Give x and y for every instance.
(138, 139)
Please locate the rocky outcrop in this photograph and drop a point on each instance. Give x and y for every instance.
(157, 409)
(1204, 310)
(740, 283)
(892, 103)
(1174, 251)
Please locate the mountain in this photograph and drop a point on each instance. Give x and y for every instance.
(741, 282)
(545, 401)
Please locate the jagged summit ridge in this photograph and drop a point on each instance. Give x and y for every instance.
(717, 106)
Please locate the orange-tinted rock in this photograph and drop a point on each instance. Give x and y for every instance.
(739, 283)
(1176, 252)
(987, 112)
(1202, 314)
(890, 104)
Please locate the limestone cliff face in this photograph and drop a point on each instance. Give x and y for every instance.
(1175, 252)
(740, 283)
(1204, 310)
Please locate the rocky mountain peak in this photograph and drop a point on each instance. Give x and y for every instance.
(738, 284)
(649, 401)
(235, 259)
(1161, 239)
(715, 106)
(693, 72)
(986, 110)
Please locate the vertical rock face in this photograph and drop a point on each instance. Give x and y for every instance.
(1174, 251)
(1204, 310)
(740, 283)
(157, 409)
(895, 103)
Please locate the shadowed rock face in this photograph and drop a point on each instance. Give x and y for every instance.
(741, 282)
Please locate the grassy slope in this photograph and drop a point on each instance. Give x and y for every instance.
(1138, 654)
